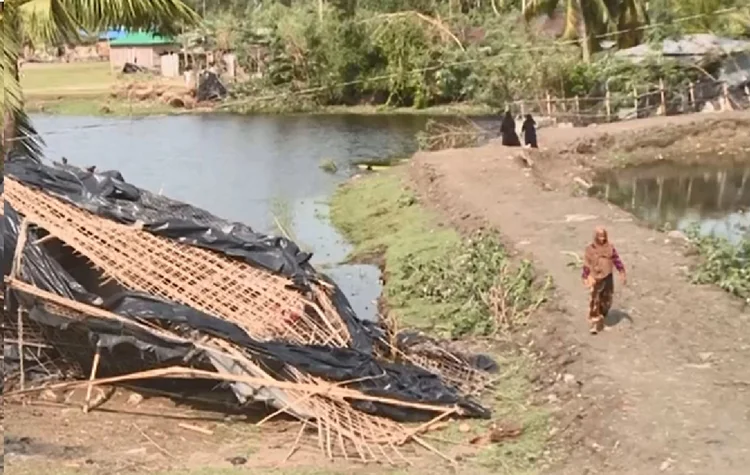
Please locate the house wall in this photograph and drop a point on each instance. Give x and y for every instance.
(144, 56)
(102, 48)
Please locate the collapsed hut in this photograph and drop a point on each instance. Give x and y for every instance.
(113, 283)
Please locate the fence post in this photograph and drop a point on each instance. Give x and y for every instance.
(635, 100)
(549, 105)
(607, 103)
(691, 93)
(727, 104)
(577, 105)
(663, 97)
(523, 109)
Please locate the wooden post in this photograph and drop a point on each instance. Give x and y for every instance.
(20, 348)
(23, 234)
(523, 109)
(727, 104)
(607, 103)
(663, 98)
(635, 101)
(577, 105)
(549, 105)
(691, 95)
(92, 377)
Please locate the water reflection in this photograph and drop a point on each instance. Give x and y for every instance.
(717, 199)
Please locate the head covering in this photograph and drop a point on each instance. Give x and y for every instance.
(598, 256)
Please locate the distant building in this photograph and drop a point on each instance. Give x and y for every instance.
(141, 48)
(104, 38)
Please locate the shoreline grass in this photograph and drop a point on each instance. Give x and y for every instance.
(385, 223)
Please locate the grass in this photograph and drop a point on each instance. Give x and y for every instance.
(81, 88)
(432, 277)
(723, 263)
(329, 166)
(379, 217)
(98, 106)
(84, 79)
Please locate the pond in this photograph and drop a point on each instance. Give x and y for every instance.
(716, 199)
(264, 171)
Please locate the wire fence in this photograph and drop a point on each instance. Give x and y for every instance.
(643, 101)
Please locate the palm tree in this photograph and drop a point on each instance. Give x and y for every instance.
(589, 20)
(56, 21)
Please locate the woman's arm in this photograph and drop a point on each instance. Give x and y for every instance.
(617, 261)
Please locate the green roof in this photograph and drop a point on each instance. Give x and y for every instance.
(142, 39)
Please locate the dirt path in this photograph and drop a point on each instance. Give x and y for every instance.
(664, 390)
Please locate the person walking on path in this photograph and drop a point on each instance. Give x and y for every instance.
(508, 131)
(529, 132)
(600, 260)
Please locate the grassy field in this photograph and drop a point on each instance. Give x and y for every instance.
(42, 80)
(82, 88)
(385, 223)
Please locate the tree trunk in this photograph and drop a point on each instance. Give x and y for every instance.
(584, 34)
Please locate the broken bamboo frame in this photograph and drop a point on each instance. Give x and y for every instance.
(324, 389)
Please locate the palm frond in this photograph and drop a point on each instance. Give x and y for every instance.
(17, 132)
(162, 16)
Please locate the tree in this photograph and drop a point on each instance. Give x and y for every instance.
(589, 20)
(57, 21)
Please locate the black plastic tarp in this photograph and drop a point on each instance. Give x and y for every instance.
(352, 367)
(210, 87)
(106, 194)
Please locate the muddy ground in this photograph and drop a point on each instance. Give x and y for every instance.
(666, 388)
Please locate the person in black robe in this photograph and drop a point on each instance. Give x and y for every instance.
(508, 131)
(529, 132)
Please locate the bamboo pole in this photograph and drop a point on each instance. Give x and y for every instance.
(20, 348)
(663, 98)
(726, 103)
(691, 93)
(92, 377)
(608, 103)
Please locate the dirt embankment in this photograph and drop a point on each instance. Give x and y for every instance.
(665, 389)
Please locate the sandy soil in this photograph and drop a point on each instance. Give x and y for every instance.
(666, 388)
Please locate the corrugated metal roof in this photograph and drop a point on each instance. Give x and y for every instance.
(141, 38)
(688, 47)
(113, 34)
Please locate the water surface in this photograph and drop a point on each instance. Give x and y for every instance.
(256, 170)
(716, 199)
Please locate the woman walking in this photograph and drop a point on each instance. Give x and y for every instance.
(529, 132)
(600, 260)
(508, 131)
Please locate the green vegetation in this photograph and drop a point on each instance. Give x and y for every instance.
(723, 263)
(435, 279)
(438, 281)
(329, 166)
(414, 53)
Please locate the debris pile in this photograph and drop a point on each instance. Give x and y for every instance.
(114, 283)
